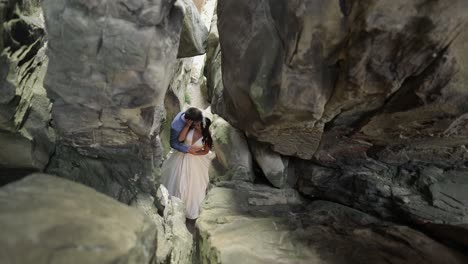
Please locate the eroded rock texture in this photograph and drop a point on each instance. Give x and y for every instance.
(47, 219)
(245, 223)
(110, 66)
(371, 95)
(232, 152)
(212, 69)
(194, 32)
(26, 138)
(174, 243)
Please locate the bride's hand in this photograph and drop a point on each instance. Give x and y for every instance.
(193, 152)
(193, 149)
(188, 123)
(196, 148)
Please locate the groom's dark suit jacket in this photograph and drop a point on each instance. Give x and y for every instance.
(176, 126)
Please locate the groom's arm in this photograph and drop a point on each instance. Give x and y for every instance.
(175, 143)
(176, 126)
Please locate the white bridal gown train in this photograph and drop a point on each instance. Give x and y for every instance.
(186, 176)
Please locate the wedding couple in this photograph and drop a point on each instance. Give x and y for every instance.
(185, 172)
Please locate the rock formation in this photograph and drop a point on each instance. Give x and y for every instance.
(274, 166)
(194, 32)
(47, 219)
(353, 113)
(110, 65)
(26, 139)
(368, 95)
(212, 69)
(232, 151)
(245, 223)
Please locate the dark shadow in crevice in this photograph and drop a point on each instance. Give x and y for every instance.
(260, 177)
(9, 175)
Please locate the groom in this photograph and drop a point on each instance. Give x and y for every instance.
(178, 124)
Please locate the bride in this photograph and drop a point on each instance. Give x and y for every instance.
(185, 175)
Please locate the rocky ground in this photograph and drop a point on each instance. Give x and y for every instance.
(248, 223)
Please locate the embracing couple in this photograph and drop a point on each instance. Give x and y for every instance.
(185, 172)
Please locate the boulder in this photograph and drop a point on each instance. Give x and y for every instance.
(177, 232)
(110, 66)
(48, 219)
(145, 203)
(232, 151)
(245, 223)
(368, 96)
(194, 32)
(273, 165)
(212, 69)
(278, 68)
(26, 137)
(162, 198)
(174, 241)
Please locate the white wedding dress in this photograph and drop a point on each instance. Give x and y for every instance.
(186, 176)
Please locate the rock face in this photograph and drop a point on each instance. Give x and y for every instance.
(194, 32)
(369, 94)
(25, 135)
(273, 165)
(47, 219)
(177, 233)
(110, 66)
(232, 151)
(174, 241)
(246, 223)
(287, 50)
(212, 69)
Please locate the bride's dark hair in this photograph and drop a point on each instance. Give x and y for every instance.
(207, 140)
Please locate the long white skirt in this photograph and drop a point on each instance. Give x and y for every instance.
(186, 176)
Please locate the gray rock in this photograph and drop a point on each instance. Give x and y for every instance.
(250, 194)
(273, 165)
(119, 173)
(232, 151)
(233, 229)
(288, 54)
(177, 232)
(421, 193)
(164, 246)
(301, 72)
(194, 32)
(109, 72)
(26, 136)
(212, 69)
(174, 241)
(370, 96)
(162, 197)
(145, 203)
(45, 218)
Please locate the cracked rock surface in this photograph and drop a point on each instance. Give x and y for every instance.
(46, 219)
(369, 96)
(110, 65)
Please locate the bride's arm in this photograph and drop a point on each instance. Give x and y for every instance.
(184, 132)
